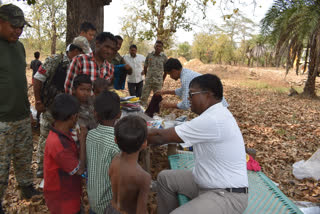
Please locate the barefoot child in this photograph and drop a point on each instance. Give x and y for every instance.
(63, 163)
(130, 183)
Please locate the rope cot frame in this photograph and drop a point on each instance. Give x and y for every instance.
(264, 195)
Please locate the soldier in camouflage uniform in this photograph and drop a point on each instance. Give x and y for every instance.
(15, 124)
(154, 71)
(45, 91)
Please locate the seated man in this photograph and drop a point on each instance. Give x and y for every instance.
(219, 181)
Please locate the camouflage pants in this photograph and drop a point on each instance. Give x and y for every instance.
(150, 85)
(16, 145)
(46, 121)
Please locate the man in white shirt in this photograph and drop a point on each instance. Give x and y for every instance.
(136, 61)
(174, 68)
(218, 182)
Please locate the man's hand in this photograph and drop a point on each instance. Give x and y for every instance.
(40, 107)
(128, 69)
(159, 93)
(168, 105)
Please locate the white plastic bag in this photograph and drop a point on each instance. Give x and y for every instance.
(33, 112)
(308, 169)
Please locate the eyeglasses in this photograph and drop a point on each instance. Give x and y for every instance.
(197, 92)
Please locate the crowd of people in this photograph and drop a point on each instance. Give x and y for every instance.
(84, 137)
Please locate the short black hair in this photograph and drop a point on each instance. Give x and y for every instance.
(118, 37)
(80, 79)
(172, 63)
(209, 82)
(130, 132)
(159, 42)
(100, 83)
(86, 26)
(102, 37)
(133, 46)
(64, 106)
(107, 105)
(73, 47)
(36, 54)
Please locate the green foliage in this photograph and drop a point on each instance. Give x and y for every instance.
(48, 20)
(202, 47)
(162, 18)
(184, 50)
(292, 25)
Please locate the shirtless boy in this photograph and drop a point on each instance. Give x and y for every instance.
(130, 183)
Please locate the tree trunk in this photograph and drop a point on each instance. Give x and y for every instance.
(306, 58)
(53, 39)
(300, 50)
(53, 36)
(81, 11)
(309, 88)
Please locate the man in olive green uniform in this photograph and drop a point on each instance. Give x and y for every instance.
(47, 84)
(15, 125)
(154, 71)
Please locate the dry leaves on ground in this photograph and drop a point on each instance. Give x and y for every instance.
(282, 129)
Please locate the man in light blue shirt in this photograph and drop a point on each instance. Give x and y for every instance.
(174, 68)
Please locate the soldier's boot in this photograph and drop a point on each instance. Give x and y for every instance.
(1, 210)
(40, 172)
(28, 191)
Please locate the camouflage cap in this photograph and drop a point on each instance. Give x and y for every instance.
(83, 43)
(13, 14)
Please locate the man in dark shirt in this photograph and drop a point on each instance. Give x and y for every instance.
(15, 125)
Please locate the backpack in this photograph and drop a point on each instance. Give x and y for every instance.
(54, 84)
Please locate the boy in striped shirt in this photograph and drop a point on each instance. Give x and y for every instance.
(101, 148)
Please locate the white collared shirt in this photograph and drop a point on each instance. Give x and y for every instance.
(136, 63)
(218, 147)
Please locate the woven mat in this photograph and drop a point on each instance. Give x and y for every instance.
(264, 196)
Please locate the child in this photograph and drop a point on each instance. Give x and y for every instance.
(100, 85)
(87, 33)
(63, 164)
(82, 87)
(130, 183)
(34, 65)
(101, 148)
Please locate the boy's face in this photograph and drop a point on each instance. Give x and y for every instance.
(83, 92)
(89, 34)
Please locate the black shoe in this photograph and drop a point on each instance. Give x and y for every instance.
(28, 191)
(1, 210)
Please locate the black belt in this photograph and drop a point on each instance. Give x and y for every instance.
(238, 190)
